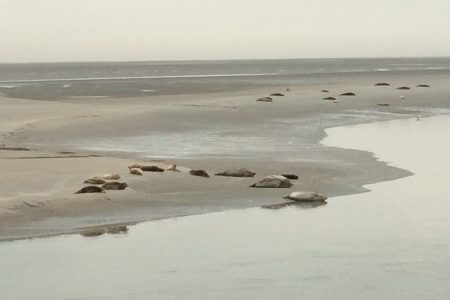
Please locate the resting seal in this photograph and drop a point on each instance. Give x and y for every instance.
(91, 189)
(305, 197)
(265, 99)
(95, 181)
(108, 177)
(117, 186)
(273, 181)
(136, 171)
(201, 173)
(237, 173)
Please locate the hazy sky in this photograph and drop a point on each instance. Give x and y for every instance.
(86, 30)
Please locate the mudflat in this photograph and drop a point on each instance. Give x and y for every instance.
(49, 148)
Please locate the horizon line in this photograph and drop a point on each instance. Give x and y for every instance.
(218, 60)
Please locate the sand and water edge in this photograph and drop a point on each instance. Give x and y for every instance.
(388, 243)
(38, 186)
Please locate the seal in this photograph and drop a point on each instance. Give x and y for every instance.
(146, 168)
(95, 181)
(173, 168)
(265, 99)
(237, 173)
(136, 171)
(305, 197)
(91, 189)
(108, 177)
(273, 181)
(116, 186)
(201, 173)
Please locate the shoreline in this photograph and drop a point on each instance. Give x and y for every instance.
(179, 194)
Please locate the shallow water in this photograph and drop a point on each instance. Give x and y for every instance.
(287, 139)
(69, 81)
(390, 243)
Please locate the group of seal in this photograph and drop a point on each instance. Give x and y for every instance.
(378, 85)
(273, 181)
(400, 88)
(99, 184)
(139, 170)
(270, 99)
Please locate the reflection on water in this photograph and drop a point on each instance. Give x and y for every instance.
(304, 205)
(390, 243)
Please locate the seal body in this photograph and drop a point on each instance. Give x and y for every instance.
(201, 173)
(306, 197)
(136, 171)
(117, 186)
(91, 189)
(273, 181)
(109, 176)
(237, 173)
(95, 181)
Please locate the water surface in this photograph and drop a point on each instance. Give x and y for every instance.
(69, 81)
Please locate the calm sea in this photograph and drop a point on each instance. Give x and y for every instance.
(59, 81)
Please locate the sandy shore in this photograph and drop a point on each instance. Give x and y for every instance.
(37, 186)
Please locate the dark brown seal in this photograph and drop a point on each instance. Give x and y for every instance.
(201, 173)
(91, 189)
(265, 99)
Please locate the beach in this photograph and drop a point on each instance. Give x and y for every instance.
(50, 147)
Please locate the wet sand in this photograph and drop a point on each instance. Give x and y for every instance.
(37, 187)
